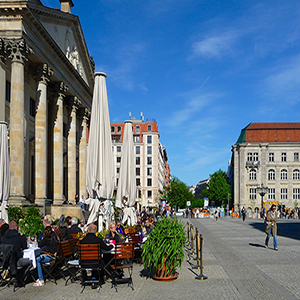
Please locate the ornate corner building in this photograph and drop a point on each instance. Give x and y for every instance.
(266, 155)
(46, 86)
(151, 167)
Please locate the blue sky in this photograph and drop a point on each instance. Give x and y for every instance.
(202, 69)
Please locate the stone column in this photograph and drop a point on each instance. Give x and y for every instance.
(58, 139)
(74, 104)
(83, 152)
(2, 79)
(18, 51)
(41, 135)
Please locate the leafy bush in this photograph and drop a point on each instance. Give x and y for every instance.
(31, 225)
(163, 250)
(15, 213)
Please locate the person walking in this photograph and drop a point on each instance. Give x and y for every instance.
(271, 228)
(243, 213)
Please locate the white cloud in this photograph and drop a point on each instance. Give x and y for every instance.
(217, 45)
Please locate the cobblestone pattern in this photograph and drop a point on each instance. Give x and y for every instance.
(235, 261)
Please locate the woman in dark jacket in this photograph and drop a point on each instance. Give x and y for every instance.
(48, 244)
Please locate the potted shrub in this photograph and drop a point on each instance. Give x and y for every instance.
(163, 250)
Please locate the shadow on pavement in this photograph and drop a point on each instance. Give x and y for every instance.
(257, 245)
(289, 229)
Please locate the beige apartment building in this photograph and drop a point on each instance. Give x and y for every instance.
(46, 85)
(268, 154)
(151, 168)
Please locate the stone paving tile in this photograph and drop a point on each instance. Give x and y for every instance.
(237, 266)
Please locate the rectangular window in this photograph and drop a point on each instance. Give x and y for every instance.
(7, 91)
(138, 181)
(296, 194)
(149, 171)
(149, 182)
(149, 139)
(271, 194)
(32, 107)
(119, 129)
(149, 160)
(271, 156)
(284, 194)
(137, 171)
(118, 159)
(252, 194)
(137, 150)
(255, 156)
(296, 156)
(118, 148)
(149, 127)
(136, 138)
(116, 138)
(149, 194)
(137, 160)
(283, 156)
(112, 129)
(249, 156)
(149, 150)
(118, 170)
(137, 129)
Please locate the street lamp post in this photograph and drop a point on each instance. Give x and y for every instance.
(262, 190)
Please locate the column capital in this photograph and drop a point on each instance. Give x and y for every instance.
(58, 89)
(73, 103)
(18, 50)
(44, 73)
(84, 113)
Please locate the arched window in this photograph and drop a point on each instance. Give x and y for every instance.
(296, 174)
(283, 174)
(252, 174)
(271, 174)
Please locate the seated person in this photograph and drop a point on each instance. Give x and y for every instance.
(119, 228)
(147, 228)
(112, 237)
(13, 237)
(91, 238)
(49, 245)
(3, 230)
(64, 234)
(74, 228)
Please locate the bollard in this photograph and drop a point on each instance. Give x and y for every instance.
(197, 266)
(192, 240)
(201, 276)
(188, 233)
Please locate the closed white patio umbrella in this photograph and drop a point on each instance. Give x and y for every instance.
(100, 162)
(126, 193)
(4, 171)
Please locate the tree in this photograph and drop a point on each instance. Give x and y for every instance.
(177, 193)
(218, 188)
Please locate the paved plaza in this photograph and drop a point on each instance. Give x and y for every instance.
(235, 260)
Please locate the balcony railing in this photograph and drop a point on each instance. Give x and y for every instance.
(253, 163)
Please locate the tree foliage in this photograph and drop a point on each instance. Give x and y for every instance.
(177, 193)
(218, 188)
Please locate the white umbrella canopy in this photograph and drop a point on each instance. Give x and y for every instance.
(100, 161)
(4, 171)
(126, 193)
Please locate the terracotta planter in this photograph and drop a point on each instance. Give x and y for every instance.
(169, 278)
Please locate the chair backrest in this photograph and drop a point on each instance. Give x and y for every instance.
(73, 243)
(74, 235)
(66, 248)
(124, 250)
(135, 238)
(89, 255)
(6, 253)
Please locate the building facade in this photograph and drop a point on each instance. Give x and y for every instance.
(46, 85)
(266, 154)
(151, 168)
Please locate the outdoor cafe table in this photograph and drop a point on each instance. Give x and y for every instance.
(32, 253)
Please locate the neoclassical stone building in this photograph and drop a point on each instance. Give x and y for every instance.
(46, 85)
(268, 154)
